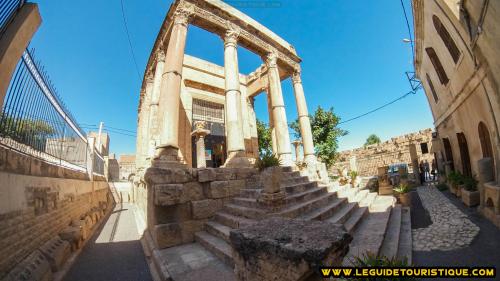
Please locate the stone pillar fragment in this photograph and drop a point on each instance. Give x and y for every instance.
(271, 124)
(296, 145)
(167, 150)
(234, 124)
(305, 123)
(144, 130)
(199, 133)
(278, 110)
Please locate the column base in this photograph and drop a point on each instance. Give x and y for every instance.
(167, 157)
(238, 159)
(286, 160)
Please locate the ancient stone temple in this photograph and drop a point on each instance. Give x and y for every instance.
(196, 185)
(179, 90)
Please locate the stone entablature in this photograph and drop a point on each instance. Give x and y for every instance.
(396, 150)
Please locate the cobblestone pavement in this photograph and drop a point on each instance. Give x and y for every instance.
(450, 229)
(114, 252)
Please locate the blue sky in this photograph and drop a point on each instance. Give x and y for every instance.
(353, 59)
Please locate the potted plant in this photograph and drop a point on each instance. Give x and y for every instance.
(456, 180)
(353, 175)
(470, 194)
(403, 194)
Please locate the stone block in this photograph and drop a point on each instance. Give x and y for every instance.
(204, 209)
(56, 251)
(271, 179)
(163, 176)
(35, 267)
(84, 228)
(287, 249)
(167, 235)
(172, 194)
(73, 235)
(218, 189)
(225, 174)
(173, 213)
(244, 173)
(206, 175)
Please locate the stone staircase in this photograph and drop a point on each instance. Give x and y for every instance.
(367, 216)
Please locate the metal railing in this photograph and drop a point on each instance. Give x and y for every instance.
(98, 164)
(34, 121)
(8, 9)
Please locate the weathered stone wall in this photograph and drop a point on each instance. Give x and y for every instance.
(177, 202)
(35, 209)
(393, 151)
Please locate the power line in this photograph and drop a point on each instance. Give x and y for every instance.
(130, 41)
(378, 108)
(409, 30)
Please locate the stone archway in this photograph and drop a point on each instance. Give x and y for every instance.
(464, 155)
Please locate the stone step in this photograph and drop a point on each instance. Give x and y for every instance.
(343, 213)
(305, 195)
(360, 195)
(218, 230)
(369, 235)
(250, 192)
(216, 245)
(355, 218)
(348, 192)
(368, 200)
(300, 187)
(304, 207)
(231, 220)
(292, 174)
(326, 211)
(405, 239)
(246, 202)
(391, 240)
(287, 169)
(292, 181)
(247, 212)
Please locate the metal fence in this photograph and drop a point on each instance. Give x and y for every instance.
(34, 120)
(98, 164)
(8, 9)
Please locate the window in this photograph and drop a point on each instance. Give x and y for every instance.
(424, 148)
(445, 36)
(484, 139)
(464, 155)
(443, 78)
(431, 86)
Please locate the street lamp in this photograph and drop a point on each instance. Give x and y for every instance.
(406, 40)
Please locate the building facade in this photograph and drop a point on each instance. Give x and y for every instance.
(457, 59)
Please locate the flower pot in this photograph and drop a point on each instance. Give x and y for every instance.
(405, 199)
(470, 198)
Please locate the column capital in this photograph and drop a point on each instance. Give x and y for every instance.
(230, 37)
(296, 76)
(271, 59)
(160, 55)
(182, 15)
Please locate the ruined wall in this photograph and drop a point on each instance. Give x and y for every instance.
(396, 150)
(38, 201)
(178, 202)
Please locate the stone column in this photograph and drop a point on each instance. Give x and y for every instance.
(144, 123)
(296, 144)
(278, 110)
(271, 123)
(199, 133)
(167, 151)
(234, 124)
(305, 123)
(414, 162)
(154, 124)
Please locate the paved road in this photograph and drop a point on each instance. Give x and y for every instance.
(483, 251)
(113, 253)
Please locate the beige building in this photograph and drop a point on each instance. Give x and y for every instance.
(179, 90)
(457, 59)
(127, 167)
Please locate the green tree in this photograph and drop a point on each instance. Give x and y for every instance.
(264, 138)
(30, 132)
(325, 131)
(372, 139)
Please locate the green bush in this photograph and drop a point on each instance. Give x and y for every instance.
(353, 175)
(372, 260)
(267, 160)
(442, 186)
(402, 188)
(455, 178)
(470, 183)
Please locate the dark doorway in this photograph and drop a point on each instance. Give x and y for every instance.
(464, 154)
(484, 139)
(448, 153)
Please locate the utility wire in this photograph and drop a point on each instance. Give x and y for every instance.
(378, 108)
(409, 30)
(130, 41)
